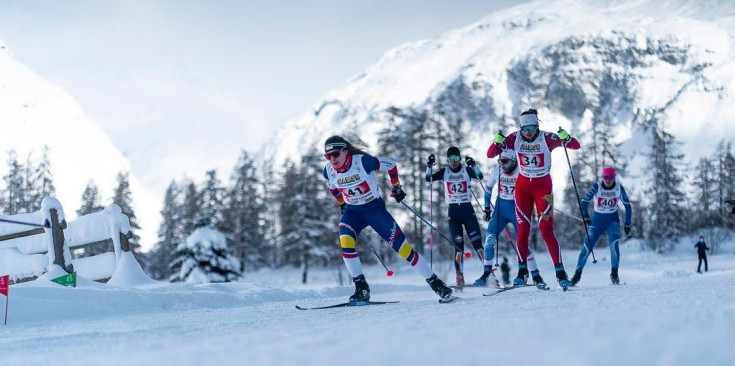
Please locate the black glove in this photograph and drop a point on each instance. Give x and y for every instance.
(469, 161)
(342, 209)
(587, 220)
(430, 161)
(626, 228)
(488, 213)
(397, 193)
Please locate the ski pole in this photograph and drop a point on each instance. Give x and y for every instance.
(579, 201)
(430, 225)
(22, 223)
(431, 217)
(387, 271)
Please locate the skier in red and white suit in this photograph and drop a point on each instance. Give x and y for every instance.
(533, 149)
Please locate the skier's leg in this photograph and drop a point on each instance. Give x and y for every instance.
(473, 232)
(457, 234)
(545, 209)
(706, 268)
(490, 238)
(613, 236)
(523, 211)
(595, 230)
(387, 227)
(699, 266)
(350, 227)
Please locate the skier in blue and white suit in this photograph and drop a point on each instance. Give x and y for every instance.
(505, 212)
(606, 196)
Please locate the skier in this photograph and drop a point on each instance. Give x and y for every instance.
(701, 247)
(533, 150)
(458, 197)
(606, 195)
(505, 268)
(503, 215)
(350, 179)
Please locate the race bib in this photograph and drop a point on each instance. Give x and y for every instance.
(531, 160)
(457, 187)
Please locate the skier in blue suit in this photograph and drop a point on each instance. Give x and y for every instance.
(606, 196)
(504, 214)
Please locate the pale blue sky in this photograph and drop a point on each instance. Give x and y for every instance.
(181, 86)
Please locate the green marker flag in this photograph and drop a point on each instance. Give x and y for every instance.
(67, 279)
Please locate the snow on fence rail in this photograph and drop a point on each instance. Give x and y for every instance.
(27, 253)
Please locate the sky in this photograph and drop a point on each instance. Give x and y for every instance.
(182, 86)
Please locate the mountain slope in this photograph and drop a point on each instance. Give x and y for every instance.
(628, 64)
(35, 113)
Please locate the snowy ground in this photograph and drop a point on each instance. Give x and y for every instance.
(665, 314)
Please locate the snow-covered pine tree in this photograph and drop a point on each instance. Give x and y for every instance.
(666, 210)
(203, 257)
(724, 162)
(190, 207)
(211, 199)
(705, 194)
(243, 214)
(91, 203)
(16, 194)
(269, 188)
(170, 235)
(123, 197)
(41, 181)
(308, 216)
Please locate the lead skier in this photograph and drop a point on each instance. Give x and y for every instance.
(352, 183)
(505, 213)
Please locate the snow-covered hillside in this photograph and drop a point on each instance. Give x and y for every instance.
(664, 314)
(622, 62)
(35, 113)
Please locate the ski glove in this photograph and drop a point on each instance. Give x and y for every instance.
(587, 220)
(342, 209)
(397, 193)
(488, 213)
(626, 228)
(470, 162)
(430, 161)
(563, 134)
(499, 138)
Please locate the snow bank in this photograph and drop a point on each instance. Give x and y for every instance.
(129, 274)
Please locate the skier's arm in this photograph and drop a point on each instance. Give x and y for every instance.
(495, 149)
(333, 188)
(489, 186)
(434, 176)
(586, 200)
(626, 203)
(475, 173)
(373, 163)
(553, 141)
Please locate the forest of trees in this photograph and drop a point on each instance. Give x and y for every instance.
(275, 216)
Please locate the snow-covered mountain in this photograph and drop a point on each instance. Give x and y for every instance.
(626, 62)
(35, 113)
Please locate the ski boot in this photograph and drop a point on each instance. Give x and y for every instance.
(439, 287)
(577, 276)
(522, 277)
(482, 281)
(538, 280)
(561, 277)
(362, 290)
(614, 277)
(460, 280)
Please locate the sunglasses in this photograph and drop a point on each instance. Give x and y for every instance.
(608, 177)
(529, 128)
(333, 154)
(454, 158)
(504, 161)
